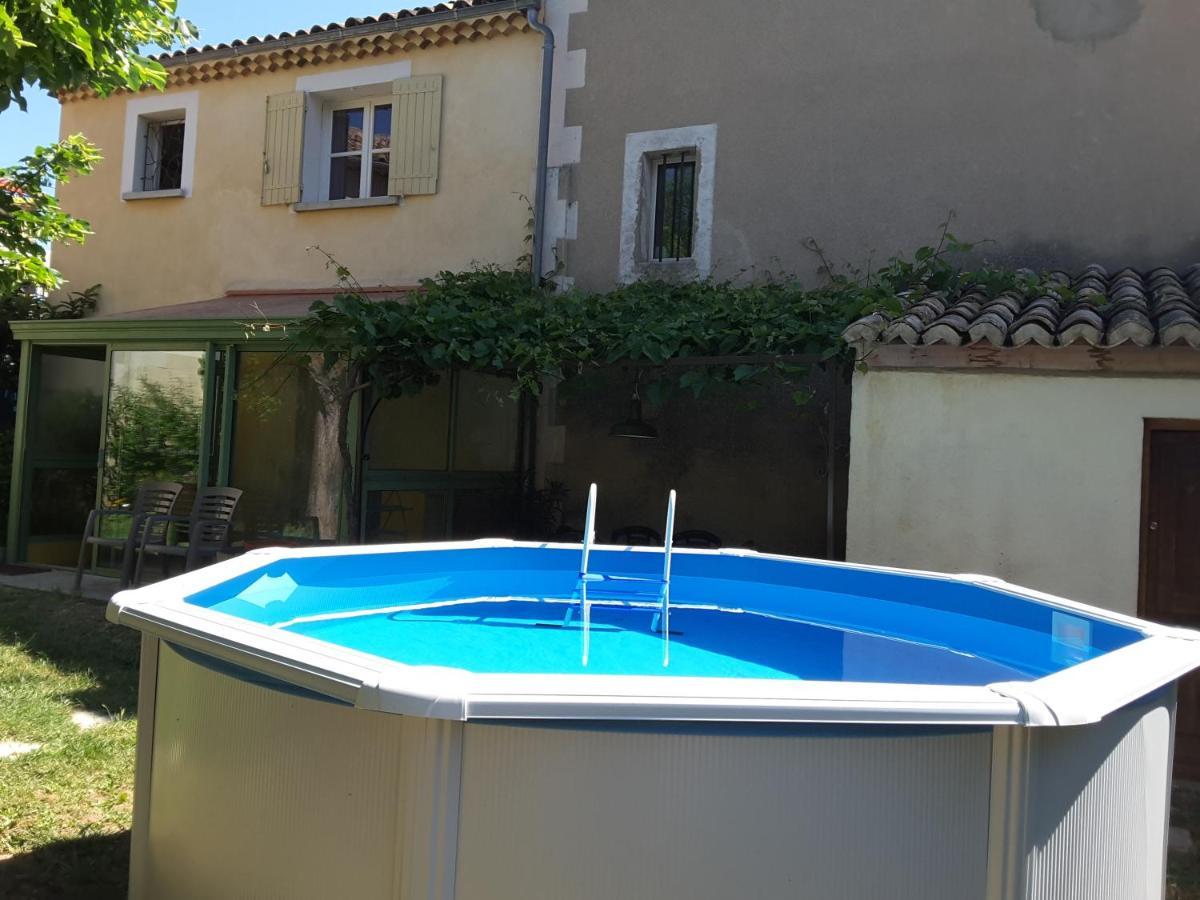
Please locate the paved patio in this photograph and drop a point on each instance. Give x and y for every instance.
(95, 587)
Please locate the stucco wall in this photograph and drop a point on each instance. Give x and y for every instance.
(1062, 131)
(155, 252)
(1032, 478)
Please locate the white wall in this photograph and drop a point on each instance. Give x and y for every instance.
(1032, 478)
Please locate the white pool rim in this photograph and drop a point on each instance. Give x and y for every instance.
(1080, 694)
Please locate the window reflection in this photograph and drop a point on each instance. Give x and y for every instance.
(285, 454)
(155, 406)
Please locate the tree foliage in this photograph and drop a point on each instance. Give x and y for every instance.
(62, 45)
(31, 218)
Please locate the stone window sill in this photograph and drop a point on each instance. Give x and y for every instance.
(351, 203)
(153, 195)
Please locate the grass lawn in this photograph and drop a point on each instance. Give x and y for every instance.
(65, 807)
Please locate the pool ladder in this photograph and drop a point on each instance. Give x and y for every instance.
(662, 616)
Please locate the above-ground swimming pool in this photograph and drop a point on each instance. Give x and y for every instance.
(483, 720)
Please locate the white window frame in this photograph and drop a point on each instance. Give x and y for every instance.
(139, 112)
(322, 88)
(368, 106)
(643, 150)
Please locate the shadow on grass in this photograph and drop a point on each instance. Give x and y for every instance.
(94, 867)
(73, 635)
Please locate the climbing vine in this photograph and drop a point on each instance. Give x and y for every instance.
(491, 319)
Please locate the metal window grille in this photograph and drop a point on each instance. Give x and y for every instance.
(162, 156)
(674, 205)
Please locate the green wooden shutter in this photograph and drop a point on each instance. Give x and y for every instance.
(416, 133)
(283, 148)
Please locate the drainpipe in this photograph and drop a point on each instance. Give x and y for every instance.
(543, 150)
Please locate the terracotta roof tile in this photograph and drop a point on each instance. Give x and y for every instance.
(1157, 308)
(315, 31)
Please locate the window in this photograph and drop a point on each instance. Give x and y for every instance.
(674, 205)
(162, 155)
(160, 146)
(329, 144)
(667, 204)
(359, 147)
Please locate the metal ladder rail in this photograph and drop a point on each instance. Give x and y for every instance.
(589, 537)
(663, 618)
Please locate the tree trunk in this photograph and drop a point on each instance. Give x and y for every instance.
(337, 385)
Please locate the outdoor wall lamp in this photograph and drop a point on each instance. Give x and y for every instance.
(635, 426)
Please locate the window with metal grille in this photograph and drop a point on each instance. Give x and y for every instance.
(674, 205)
(162, 155)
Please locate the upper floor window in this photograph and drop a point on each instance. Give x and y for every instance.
(162, 153)
(365, 136)
(674, 205)
(160, 146)
(360, 149)
(667, 203)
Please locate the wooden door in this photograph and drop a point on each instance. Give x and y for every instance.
(1170, 557)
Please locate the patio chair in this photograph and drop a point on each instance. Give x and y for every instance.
(202, 534)
(637, 536)
(153, 498)
(697, 537)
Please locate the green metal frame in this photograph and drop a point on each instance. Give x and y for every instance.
(221, 341)
(16, 488)
(212, 336)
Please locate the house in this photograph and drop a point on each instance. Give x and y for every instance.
(400, 145)
(1050, 442)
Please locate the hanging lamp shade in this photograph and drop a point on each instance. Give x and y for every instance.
(634, 426)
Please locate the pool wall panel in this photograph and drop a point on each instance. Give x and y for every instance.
(249, 786)
(1098, 806)
(249, 791)
(593, 814)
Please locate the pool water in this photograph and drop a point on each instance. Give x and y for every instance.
(503, 610)
(529, 636)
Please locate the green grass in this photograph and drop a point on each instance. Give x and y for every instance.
(65, 808)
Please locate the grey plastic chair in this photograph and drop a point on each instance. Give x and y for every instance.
(153, 498)
(202, 534)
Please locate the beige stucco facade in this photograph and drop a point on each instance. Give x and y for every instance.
(153, 252)
(1035, 479)
(1060, 132)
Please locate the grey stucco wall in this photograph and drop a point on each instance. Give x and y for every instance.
(1060, 131)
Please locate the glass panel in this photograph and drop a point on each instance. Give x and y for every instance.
(345, 177)
(395, 516)
(66, 414)
(154, 409)
(285, 454)
(412, 432)
(490, 512)
(64, 439)
(380, 163)
(170, 148)
(347, 130)
(674, 199)
(486, 424)
(381, 128)
(60, 502)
